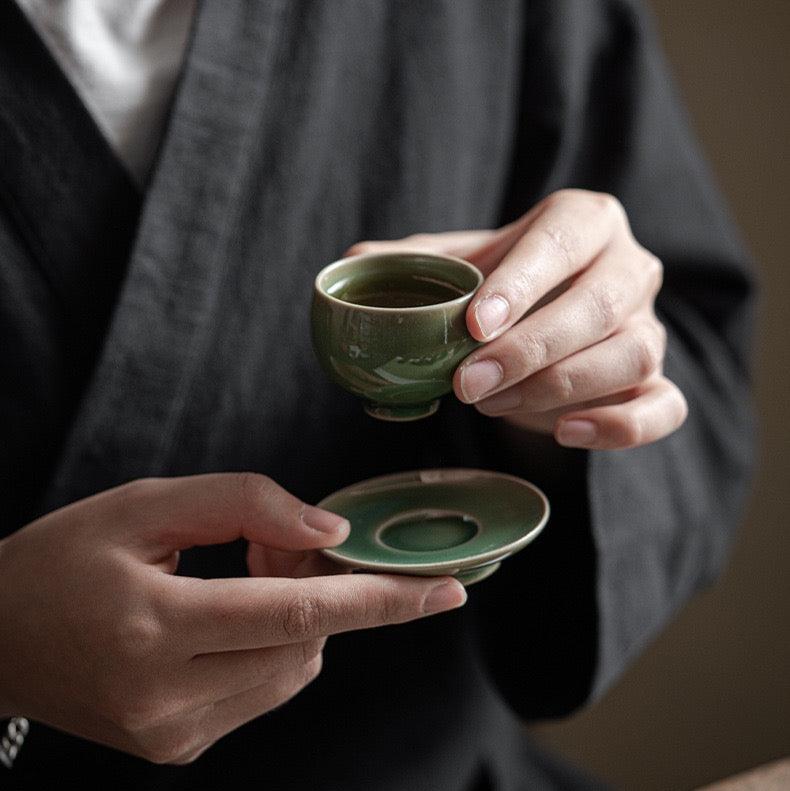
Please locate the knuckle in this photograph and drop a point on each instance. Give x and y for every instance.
(606, 304)
(254, 489)
(136, 713)
(133, 497)
(301, 618)
(648, 359)
(130, 692)
(534, 353)
(630, 431)
(173, 747)
(681, 407)
(560, 197)
(562, 384)
(419, 239)
(137, 637)
(654, 270)
(185, 760)
(358, 249)
(610, 206)
(311, 649)
(562, 244)
(155, 752)
(520, 287)
(683, 410)
(648, 352)
(192, 756)
(253, 484)
(313, 669)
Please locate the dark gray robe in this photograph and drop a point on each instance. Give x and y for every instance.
(166, 333)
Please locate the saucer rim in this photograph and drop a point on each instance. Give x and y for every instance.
(459, 564)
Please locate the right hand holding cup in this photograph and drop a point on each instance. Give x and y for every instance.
(101, 639)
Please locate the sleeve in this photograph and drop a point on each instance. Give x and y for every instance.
(633, 533)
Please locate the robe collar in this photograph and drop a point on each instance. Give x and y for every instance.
(130, 418)
(70, 200)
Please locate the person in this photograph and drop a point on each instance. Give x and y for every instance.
(166, 429)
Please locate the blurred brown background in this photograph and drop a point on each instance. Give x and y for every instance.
(712, 696)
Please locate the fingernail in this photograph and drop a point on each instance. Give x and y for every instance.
(505, 401)
(322, 521)
(491, 314)
(479, 378)
(576, 433)
(446, 596)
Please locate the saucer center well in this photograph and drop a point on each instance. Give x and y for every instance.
(427, 531)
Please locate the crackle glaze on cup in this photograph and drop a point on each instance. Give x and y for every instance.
(400, 360)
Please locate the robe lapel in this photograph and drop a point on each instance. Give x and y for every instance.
(163, 318)
(71, 201)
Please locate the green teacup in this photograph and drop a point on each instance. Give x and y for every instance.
(391, 328)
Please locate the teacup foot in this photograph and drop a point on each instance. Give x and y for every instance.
(471, 576)
(401, 413)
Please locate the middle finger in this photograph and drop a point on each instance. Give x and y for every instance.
(565, 233)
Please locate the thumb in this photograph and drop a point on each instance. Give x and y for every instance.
(177, 513)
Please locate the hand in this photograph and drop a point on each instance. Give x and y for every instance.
(572, 343)
(100, 639)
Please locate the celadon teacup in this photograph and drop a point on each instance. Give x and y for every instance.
(391, 328)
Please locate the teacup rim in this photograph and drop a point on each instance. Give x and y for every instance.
(397, 310)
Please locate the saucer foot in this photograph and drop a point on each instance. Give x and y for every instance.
(469, 577)
(401, 414)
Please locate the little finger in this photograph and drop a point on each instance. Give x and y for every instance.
(657, 410)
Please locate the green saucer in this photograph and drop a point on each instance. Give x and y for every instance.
(434, 522)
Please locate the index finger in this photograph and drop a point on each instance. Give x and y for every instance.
(237, 614)
(216, 508)
(572, 229)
